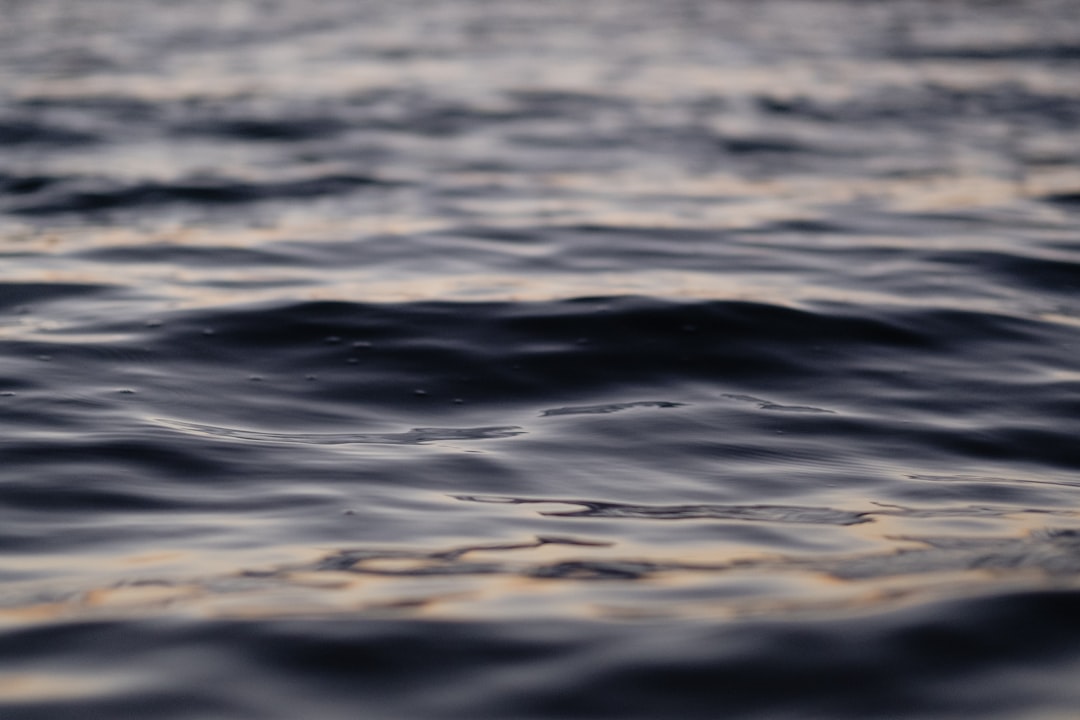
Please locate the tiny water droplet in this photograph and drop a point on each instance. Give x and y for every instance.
(255, 378)
(361, 344)
(7, 393)
(153, 323)
(311, 377)
(208, 331)
(44, 358)
(332, 339)
(419, 391)
(458, 401)
(352, 361)
(126, 391)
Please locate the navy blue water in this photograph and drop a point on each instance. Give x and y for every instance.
(498, 359)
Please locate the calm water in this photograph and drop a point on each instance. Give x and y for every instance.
(499, 359)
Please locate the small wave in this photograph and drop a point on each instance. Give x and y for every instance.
(364, 560)
(973, 511)
(755, 513)
(769, 405)
(187, 255)
(762, 145)
(416, 436)
(1003, 51)
(968, 657)
(26, 132)
(1068, 198)
(15, 184)
(979, 479)
(24, 295)
(1055, 552)
(275, 129)
(608, 408)
(81, 195)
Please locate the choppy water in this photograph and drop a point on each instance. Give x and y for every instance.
(496, 359)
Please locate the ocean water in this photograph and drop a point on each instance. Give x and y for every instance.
(503, 359)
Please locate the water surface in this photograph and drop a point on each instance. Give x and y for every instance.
(503, 359)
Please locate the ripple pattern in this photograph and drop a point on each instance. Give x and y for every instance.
(503, 359)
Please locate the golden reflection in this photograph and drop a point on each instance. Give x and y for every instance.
(34, 613)
(138, 596)
(882, 563)
(40, 687)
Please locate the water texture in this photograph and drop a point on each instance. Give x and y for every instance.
(499, 359)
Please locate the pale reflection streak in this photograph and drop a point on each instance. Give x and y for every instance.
(372, 287)
(663, 77)
(747, 204)
(739, 203)
(900, 560)
(28, 687)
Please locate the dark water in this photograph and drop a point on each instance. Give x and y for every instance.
(496, 359)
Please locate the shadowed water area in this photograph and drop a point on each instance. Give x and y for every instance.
(500, 359)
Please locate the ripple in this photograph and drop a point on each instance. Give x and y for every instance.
(754, 513)
(979, 479)
(416, 436)
(608, 408)
(86, 195)
(29, 132)
(768, 405)
(1053, 552)
(822, 296)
